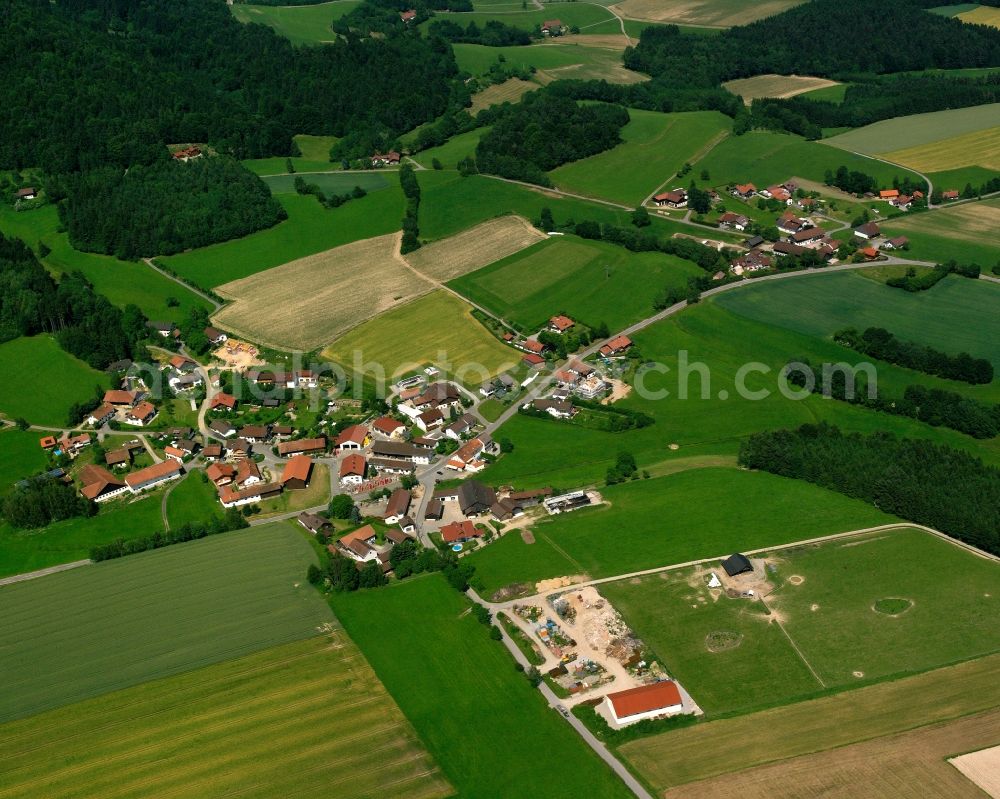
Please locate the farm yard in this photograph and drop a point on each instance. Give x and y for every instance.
(689, 515)
(309, 229)
(460, 668)
(655, 146)
(758, 86)
(825, 622)
(898, 133)
(474, 248)
(788, 736)
(592, 282)
(709, 13)
(301, 24)
(246, 589)
(437, 328)
(307, 303)
(299, 719)
(58, 380)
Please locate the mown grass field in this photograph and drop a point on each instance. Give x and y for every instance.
(20, 456)
(307, 303)
(122, 282)
(489, 730)
(764, 158)
(591, 282)
(310, 228)
(435, 329)
(956, 315)
(688, 515)
(777, 86)
(57, 380)
(830, 616)
(308, 24)
(979, 148)
(965, 233)
(729, 745)
(576, 57)
(917, 129)
(305, 719)
(207, 601)
(315, 156)
(510, 91)
(654, 147)
(194, 499)
(830, 94)
(711, 13)
(452, 151)
(982, 15)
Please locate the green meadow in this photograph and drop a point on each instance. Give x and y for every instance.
(302, 24)
(194, 499)
(572, 57)
(497, 731)
(122, 282)
(689, 515)
(314, 156)
(310, 228)
(589, 281)
(57, 380)
(206, 601)
(20, 455)
(589, 17)
(330, 182)
(655, 146)
(452, 151)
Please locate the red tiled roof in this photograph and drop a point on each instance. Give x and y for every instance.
(387, 425)
(298, 468)
(223, 400)
(353, 465)
(355, 434)
(301, 445)
(561, 323)
(116, 396)
(451, 533)
(533, 359)
(645, 698)
(154, 472)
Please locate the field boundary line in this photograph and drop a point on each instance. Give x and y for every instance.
(710, 145)
(563, 552)
(20, 578)
(216, 305)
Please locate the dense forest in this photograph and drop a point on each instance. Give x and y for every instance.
(165, 207)
(880, 343)
(42, 501)
(943, 488)
(544, 131)
(95, 82)
(492, 34)
(84, 322)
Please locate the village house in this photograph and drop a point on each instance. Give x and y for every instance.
(297, 473)
(239, 448)
(353, 438)
(457, 532)
(185, 154)
(27, 193)
(388, 427)
(103, 414)
(616, 346)
(530, 345)
(408, 16)
(221, 473)
(398, 506)
(592, 388)
(807, 204)
(385, 159)
(950, 194)
(161, 472)
(358, 545)
(99, 485)
(424, 442)
(165, 329)
(466, 457)
(314, 523)
(255, 433)
(222, 428)
(352, 470)
(676, 198)
(215, 336)
(783, 248)
(175, 452)
(140, 415)
(185, 382)
(498, 386)
(118, 457)
(182, 364)
(462, 426)
(779, 193)
(120, 398)
(71, 445)
(735, 221)
(302, 446)
(400, 450)
(222, 401)
(557, 409)
(438, 395)
(753, 261)
(902, 202)
(560, 324)
(232, 497)
(896, 243)
(474, 498)
(744, 191)
(645, 702)
(247, 473)
(282, 431)
(392, 465)
(430, 419)
(867, 231)
(888, 194)
(870, 253)
(505, 509)
(213, 452)
(552, 27)
(533, 360)
(810, 234)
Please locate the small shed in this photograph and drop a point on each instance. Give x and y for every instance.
(737, 564)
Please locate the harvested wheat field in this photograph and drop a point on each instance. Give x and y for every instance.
(707, 13)
(510, 91)
(474, 248)
(968, 222)
(979, 148)
(894, 767)
(307, 303)
(983, 768)
(984, 15)
(775, 86)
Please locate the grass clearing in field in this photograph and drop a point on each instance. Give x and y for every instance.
(580, 57)
(207, 601)
(302, 719)
(979, 148)
(305, 24)
(57, 380)
(436, 329)
(309, 229)
(309, 302)
(489, 730)
(20, 455)
(655, 146)
(474, 248)
(710, 13)
(779, 86)
(818, 725)
(829, 94)
(510, 91)
(192, 500)
(917, 129)
(452, 151)
(590, 281)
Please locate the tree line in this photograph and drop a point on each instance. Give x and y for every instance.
(492, 34)
(944, 488)
(41, 501)
(411, 218)
(882, 344)
(542, 132)
(120, 547)
(165, 207)
(913, 282)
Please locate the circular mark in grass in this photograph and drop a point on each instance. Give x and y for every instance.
(892, 606)
(721, 640)
(675, 447)
(796, 579)
(858, 674)
(814, 607)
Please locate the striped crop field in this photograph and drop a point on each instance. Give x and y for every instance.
(308, 718)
